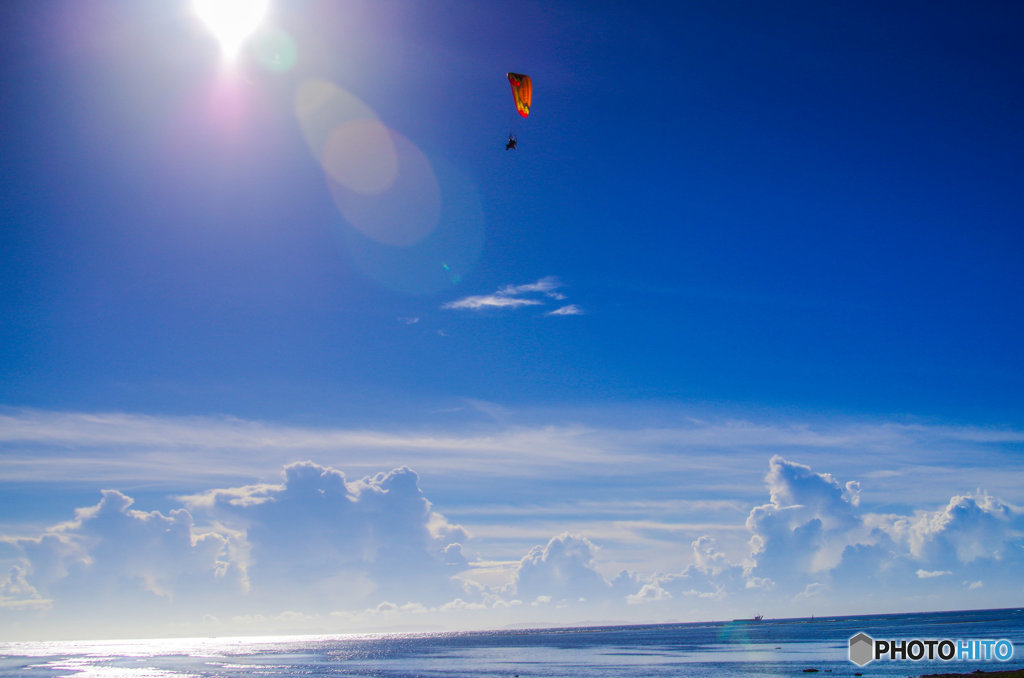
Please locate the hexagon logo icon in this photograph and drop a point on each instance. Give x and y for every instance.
(862, 649)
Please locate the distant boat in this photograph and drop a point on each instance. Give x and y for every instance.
(757, 617)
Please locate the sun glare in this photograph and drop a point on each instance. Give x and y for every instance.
(231, 21)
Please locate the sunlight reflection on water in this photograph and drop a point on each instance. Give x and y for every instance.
(769, 648)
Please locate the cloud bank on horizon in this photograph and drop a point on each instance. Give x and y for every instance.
(318, 552)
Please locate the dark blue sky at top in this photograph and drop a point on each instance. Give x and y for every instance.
(798, 205)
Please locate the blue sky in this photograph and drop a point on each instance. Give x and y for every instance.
(736, 328)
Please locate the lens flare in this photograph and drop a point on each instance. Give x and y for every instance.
(441, 258)
(361, 156)
(275, 50)
(381, 182)
(412, 223)
(231, 21)
(393, 198)
(322, 108)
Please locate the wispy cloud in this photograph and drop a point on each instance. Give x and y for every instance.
(714, 455)
(547, 286)
(604, 508)
(516, 296)
(477, 303)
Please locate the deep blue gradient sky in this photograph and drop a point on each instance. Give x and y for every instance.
(803, 216)
(816, 205)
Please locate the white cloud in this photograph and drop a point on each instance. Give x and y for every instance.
(813, 590)
(968, 527)
(648, 593)
(722, 457)
(460, 604)
(548, 286)
(315, 542)
(711, 576)
(564, 568)
(571, 309)
(319, 543)
(813, 531)
(807, 524)
(476, 303)
(118, 447)
(18, 594)
(112, 561)
(337, 540)
(387, 608)
(515, 296)
(707, 559)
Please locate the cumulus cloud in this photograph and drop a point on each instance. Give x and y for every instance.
(810, 544)
(711, 575)
(516, 296)
(968, 528)
(563, 569)
(111, 542)
(315, 542)
(111, 561)
(388, 608)
(808, 522)
(648, 593)
(813, 537)
(707, 558)
(337, 540)
(317, 547)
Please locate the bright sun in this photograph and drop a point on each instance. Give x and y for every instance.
(231, 20)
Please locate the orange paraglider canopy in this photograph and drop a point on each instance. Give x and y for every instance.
(522, 91)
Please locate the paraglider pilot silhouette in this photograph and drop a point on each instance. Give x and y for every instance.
(522, 93)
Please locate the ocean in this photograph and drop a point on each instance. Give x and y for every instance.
(765, 648)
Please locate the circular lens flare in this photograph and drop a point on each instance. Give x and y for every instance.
(275, 50)
(386, 190)
(231, 21)
(360, 155)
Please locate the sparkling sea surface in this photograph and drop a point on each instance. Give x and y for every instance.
(771, 647)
